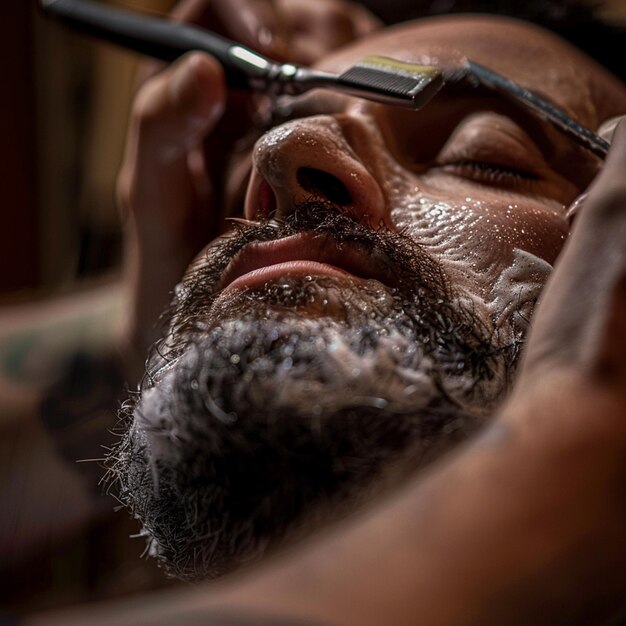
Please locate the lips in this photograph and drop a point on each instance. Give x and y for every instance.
(304, 254)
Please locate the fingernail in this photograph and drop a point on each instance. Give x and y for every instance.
(607, 129)
(575, 207)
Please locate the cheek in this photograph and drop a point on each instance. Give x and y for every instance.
(481, 227)
(478, 234)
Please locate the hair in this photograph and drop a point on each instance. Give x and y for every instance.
(250, 428)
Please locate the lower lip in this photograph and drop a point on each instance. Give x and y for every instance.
(290, 269)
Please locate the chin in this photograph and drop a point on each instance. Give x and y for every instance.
(291, 403)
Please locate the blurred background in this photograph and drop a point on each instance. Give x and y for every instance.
(62, 123)
(64, 103)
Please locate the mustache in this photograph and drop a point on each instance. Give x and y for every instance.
(308, 410)
(418, 275)
(401, 254)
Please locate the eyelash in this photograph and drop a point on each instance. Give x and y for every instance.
(483, 171)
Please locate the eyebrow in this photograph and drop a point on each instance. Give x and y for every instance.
(473, 76)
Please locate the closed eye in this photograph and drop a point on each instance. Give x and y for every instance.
(490, 173)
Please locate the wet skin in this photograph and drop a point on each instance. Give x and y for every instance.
(470, 177)
(388, 160)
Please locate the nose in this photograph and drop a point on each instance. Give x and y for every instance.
(311, 159)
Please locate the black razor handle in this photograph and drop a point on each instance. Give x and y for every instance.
(155, 37)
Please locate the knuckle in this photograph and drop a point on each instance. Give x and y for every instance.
(147, 109)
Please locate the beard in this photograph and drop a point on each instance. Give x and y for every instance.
(267, 411)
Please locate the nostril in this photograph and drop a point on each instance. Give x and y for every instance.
(318, 182)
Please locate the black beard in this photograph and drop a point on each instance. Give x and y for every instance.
(253, 418)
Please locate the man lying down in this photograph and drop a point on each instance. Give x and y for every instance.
(363, 307)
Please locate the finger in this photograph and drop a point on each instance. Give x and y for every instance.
(259, 24)
(610, 180)
(320, 27)
(192, 12)
(158, 190)
(580, 321)
(254, 23)
(172, 114)
(187, 11)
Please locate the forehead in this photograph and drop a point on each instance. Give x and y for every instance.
(520, 51)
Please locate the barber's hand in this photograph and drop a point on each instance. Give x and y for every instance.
(182, 128)
(580, 326)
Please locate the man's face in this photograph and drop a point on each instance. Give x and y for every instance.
(370, 311)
